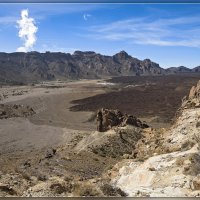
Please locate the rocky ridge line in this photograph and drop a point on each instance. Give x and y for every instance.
(22, 68)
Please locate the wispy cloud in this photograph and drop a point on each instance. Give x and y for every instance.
(44, 11)
(182, 31)
(27, 31)
(86, 16)
(7, 20)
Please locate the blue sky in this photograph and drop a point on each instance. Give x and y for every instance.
(168, 34)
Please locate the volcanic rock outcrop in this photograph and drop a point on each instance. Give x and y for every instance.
(8, 111)
(106, 119)
(193, 99)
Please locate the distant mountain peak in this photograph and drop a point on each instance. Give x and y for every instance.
(84, 53)
(122, 55)
(180, 69)
(147, 60)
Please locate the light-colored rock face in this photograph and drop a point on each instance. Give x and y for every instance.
(193, 99)
(174, 174)
(184, 130)
(195, 91)
(158, 176)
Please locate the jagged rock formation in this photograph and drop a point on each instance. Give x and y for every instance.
(193, 99)
(106, 119)
(172, 172)
(8, 111)
(20, 68)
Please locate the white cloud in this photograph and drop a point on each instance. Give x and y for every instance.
(182, 31)
(86, 16)
(27, 31)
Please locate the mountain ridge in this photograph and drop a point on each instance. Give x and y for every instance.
(19, 67)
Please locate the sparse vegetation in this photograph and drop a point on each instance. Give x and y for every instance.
(194, 168)
(109, 190)
(180, 161)
(197, 138)
(187, 145)
(118, 145)
(59, 188)
(86, 190)
(42, 177)
(26, 176)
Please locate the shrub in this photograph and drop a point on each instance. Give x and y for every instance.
(86, 190)
(108, 190)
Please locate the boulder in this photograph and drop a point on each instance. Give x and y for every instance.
(50, 153)
(106, 119)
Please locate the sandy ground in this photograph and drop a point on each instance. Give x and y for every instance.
(52, 125)
(52, 104)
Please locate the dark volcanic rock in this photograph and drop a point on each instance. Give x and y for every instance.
(131, 120)
(106, 119)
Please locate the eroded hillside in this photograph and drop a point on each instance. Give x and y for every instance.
(173, 171)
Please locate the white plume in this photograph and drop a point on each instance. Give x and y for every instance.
(27, 31)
